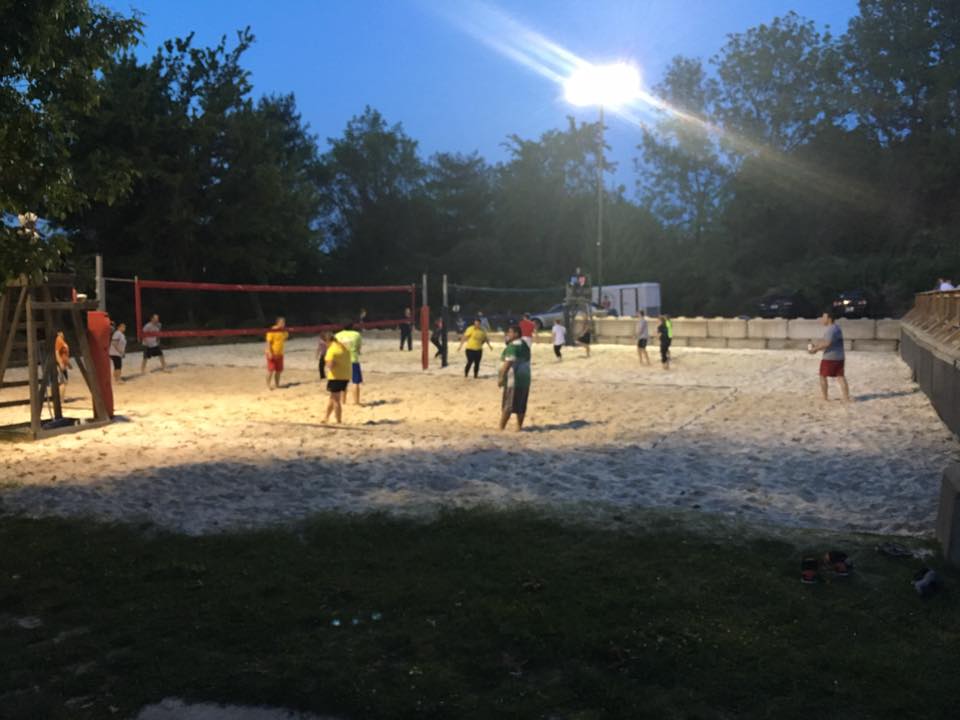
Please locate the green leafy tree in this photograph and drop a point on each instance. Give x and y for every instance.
(225, 189)
(373, 201)
(50, 54)
(546, 204)
(777, 84)
(683, 178)
(903, 70)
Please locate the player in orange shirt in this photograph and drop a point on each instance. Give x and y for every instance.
(62, 353)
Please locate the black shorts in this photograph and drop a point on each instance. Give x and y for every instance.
(642, 343)
(515, 400)
(117, 362)
(585, 338)
(336, 386)
(152, 352)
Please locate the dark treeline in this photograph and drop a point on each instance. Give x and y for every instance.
(791, 159)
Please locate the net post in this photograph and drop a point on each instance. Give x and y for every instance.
(101, 285)
(425, 328)
(138, 308)
(445, 315)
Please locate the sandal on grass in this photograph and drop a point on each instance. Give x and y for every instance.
(892, 549)
(808, 570)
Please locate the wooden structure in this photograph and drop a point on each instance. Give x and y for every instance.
(30, 316)
(578, 313)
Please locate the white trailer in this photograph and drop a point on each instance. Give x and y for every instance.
(628, 299)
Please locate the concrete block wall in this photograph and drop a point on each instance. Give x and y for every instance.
(685, 327)
(727, 328)
(858, 329)
(753, 334)
(806, 330)
(757, 333)
(775, 328)
(888, 330)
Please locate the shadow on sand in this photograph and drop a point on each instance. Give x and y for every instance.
(884, 395)
(571, 425)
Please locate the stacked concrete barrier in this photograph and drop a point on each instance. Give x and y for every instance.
(757, 333)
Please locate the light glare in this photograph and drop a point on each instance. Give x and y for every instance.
(608, 85)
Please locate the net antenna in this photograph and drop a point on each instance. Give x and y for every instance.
(141, 285)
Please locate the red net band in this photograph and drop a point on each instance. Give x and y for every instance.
(185, 305)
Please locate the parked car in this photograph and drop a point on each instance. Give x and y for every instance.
(546, 318)
(786, 304)
(856, 304)
(460, 319)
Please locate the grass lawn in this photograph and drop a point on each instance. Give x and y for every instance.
(477, 614)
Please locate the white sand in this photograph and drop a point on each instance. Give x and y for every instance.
(206, 447)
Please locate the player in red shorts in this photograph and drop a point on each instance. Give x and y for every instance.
(833, 356)
(276, 339)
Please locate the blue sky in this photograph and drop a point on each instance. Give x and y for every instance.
(417, 62)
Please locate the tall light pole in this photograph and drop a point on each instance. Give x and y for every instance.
(600, 212)
(610, 86)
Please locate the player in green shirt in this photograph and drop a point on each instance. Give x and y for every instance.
(514, 378)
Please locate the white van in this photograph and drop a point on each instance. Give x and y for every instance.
(627, 300)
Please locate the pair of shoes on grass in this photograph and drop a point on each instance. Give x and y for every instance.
(835, 562)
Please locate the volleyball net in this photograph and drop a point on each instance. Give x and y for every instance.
(198, 309)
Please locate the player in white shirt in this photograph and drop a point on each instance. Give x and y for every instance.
(559, 338)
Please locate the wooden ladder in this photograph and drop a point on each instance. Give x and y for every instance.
(29, 320)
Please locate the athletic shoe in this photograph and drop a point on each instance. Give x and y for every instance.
(838, 562)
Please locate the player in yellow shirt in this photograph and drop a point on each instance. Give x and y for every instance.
(474, 336)
(276, 339)
(337, 363)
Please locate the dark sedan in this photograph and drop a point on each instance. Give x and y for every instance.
(785, 305)
(855, 304)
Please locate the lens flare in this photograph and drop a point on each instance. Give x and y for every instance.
(611, 86)
(622, 93)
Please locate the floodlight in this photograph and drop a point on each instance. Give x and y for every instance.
(608, 86)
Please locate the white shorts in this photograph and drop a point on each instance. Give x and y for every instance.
(528, 341)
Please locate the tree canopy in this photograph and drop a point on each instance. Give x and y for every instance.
(50, 55)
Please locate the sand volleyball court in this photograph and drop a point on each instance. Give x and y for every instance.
(206, 447)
